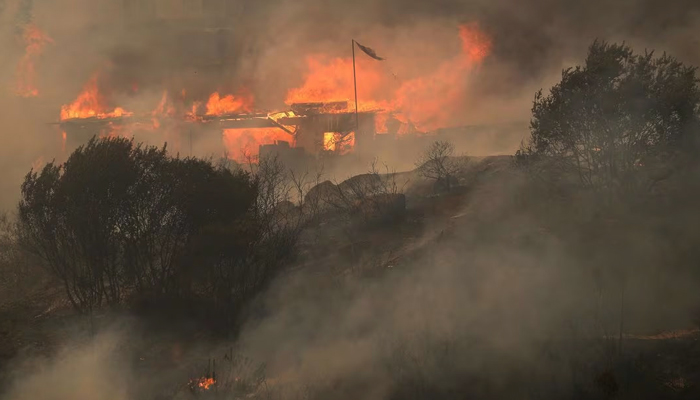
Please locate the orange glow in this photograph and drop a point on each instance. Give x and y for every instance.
(229, 104)
(380, 121)
(435, 101)
(347, 144)
(476, 45)
(335, 142)
(64, 137)
(165, 106)
(193, 114)
(423, 103)
(113, 130)
(90, 104)
(164, 109)
(428, 102)
(332, 80)
(38, 163)
(26, 81)
(203, 383)
(241, 144)
(329, 141)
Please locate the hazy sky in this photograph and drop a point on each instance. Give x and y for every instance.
(268, 43)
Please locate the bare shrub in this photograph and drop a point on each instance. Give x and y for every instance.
(438, 163)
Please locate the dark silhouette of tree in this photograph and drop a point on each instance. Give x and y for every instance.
(613, 133)
(438, 163)
(121, 218)
(618, 125)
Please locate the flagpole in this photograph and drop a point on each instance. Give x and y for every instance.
(354, 79)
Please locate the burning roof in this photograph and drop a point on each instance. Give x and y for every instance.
(319, 115)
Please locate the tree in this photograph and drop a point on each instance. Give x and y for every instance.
(121, 218)
(618, 125)
(614, 130)
(17, 271)
(268, 238)
(438, 163)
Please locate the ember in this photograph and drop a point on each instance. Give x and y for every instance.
(202, 383)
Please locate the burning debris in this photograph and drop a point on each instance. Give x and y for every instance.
(233, 377)
(203, 383)
(206, 382)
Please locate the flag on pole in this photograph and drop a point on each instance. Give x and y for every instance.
(369, 52)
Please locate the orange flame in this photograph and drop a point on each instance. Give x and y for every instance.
(241, 144)
(165, 106)
(335, 142)
(203, 383)
(192, 114)
(90, 104)
(229, 104)
(35, 41)
(332, 80)
(428, 102)
(164, 109)
(329, 141)
(436, 100)
(421, 103)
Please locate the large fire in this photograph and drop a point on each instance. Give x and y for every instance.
(428, 102)
(229, 104)
(243, 144)
(26, 81)
(433, 101)
(90, 103)
(330, 80)
(418, 104)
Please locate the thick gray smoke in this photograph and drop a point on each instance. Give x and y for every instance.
(265, 44)
(511, 303)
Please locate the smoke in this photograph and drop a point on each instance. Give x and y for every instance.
(495, 310)
(93, 370)
(265, 45)
(485, 304)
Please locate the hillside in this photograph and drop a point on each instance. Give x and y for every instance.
(480, 267)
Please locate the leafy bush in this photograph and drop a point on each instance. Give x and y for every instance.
(122, 221)
(618, 125)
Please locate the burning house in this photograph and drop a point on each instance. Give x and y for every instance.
(200, 114)
(307, 128)
(190, 45)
